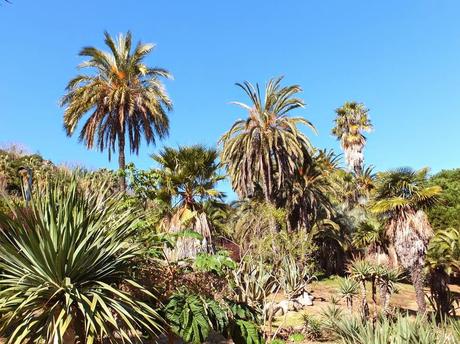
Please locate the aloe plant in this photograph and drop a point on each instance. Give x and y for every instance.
(292, 278)
(252, 283)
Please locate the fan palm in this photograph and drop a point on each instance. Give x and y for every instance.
(400, 198)
(351, 121)
(263, 151)
(61, 260)
(124, 98)
(187, 179)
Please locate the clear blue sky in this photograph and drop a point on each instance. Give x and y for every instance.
(401, 58)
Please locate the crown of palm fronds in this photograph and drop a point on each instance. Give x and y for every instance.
(306, 194)
(352, 119)
(402, 189)
(188, 175)
(122, 97)
(369, 233)
(265, 149)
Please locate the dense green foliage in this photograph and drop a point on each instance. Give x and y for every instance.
(446, 214)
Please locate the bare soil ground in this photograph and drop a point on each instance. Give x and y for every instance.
(324, 290)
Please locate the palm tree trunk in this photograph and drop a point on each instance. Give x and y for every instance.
(440, 292)
(374, 297)
(121, 161)
(418, 280)
(364, 305)
(383, 294)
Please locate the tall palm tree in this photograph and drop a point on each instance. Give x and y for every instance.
(351, 121)
(187, 179)
(123, 99)
(401, 196)
(263, 151)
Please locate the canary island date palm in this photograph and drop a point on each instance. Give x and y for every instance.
(351, 121)
(123, 99)
(400, 198)
(264, 150)
(61, 260)
(187, 179)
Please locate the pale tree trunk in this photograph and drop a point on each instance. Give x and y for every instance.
(188, 247)
(411, 233)
(383, 292)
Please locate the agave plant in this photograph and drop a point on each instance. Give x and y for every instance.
(61, 260)
(403, 330)
(253, 282)
(292, 278)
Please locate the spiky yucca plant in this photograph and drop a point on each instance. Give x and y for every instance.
(61, 260)
(348, 289)
(361, 271)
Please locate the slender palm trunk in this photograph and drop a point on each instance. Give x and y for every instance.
(374, 298)
(364, 304)
(383, 290)
(350, 304)
(418, 281)
(121, 161)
